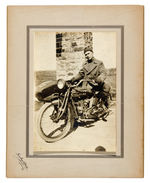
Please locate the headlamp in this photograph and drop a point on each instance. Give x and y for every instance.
(60, 83)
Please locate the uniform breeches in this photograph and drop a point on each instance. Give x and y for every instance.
(104, 94)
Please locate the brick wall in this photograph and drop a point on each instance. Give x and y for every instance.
(69, 52)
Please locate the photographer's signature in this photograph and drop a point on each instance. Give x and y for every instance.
(21, 161)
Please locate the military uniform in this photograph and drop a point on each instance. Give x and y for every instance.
(95, 70)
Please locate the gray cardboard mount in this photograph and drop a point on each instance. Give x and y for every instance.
(130, 19)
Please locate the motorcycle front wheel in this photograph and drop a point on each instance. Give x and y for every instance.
(48, 129)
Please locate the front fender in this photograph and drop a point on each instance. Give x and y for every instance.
(73, 114)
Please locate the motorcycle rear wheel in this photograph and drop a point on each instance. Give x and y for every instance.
(49, 130)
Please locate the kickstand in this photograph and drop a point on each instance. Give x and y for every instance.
(104, 119)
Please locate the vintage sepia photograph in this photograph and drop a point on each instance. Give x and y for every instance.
(74, 92)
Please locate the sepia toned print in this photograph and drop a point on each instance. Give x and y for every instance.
(75, 92)
(43, 48)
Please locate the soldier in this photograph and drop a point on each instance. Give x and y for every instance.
(94, 69)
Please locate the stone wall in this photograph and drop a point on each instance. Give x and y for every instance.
(70, 52)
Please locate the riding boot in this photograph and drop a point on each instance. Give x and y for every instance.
(106, 99)
(91, 113)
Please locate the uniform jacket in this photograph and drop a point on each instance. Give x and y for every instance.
(92, 70)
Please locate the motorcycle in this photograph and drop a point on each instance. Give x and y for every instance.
(67, 104)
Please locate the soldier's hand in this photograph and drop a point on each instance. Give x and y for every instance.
(99, 80)
(72, 80)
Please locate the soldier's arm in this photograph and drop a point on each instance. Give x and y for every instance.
(102, 74)
(79, 76)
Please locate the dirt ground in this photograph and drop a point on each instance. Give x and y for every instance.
(101, 133)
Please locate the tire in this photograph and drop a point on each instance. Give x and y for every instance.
(45, 120)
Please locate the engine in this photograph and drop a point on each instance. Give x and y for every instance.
(83, 106)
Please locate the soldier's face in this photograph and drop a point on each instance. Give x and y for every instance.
(88, 55)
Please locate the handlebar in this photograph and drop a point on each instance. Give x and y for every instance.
(91, 82)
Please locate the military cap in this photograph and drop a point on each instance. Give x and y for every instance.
(88, 49)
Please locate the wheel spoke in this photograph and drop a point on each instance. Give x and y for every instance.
(49, 127)
(56, 130)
